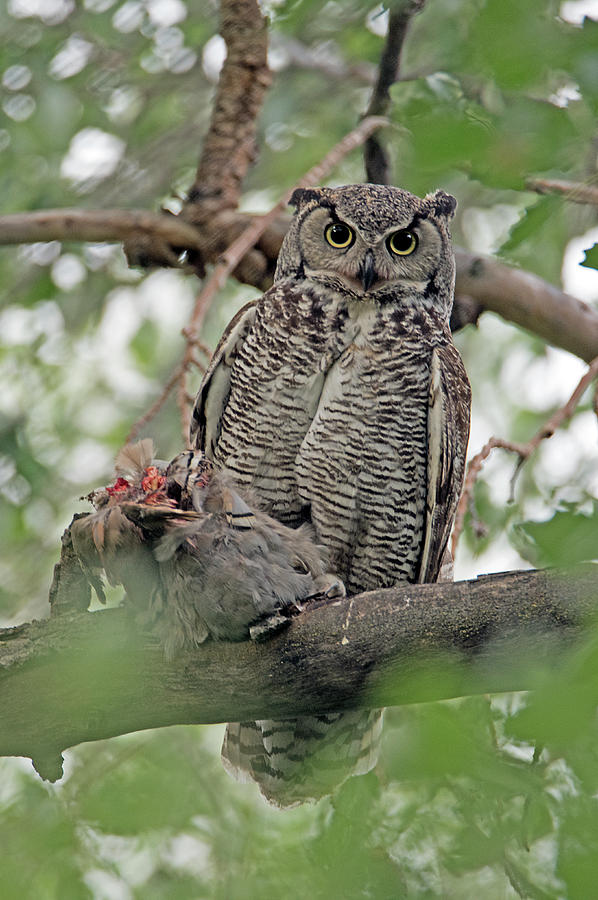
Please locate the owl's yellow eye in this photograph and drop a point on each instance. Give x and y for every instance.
(339, 235)
(402, 242)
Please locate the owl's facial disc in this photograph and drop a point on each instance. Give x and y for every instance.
(366, 262)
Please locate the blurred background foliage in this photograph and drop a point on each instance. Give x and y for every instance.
(104, 104)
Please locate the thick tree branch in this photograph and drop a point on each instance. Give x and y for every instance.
(83, 676)
(229, 147)
(529, 302)
(110, 225)
(482, 283)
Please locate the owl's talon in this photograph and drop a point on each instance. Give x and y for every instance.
(328, 587)
(270, 625)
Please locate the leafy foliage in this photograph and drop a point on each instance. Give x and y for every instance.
(471, 798)
(105, 103)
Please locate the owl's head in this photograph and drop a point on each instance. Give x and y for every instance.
(373, 242)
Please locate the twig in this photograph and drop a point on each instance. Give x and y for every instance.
(155, 408)
(202, 304)
(377, 163)
(473, 470)
(174, 379)
(572, 190)
(523, 450)
(247, 239)
(564, 413)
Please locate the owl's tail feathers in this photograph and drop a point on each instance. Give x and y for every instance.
(302, 760)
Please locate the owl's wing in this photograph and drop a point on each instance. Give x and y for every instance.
(448, 433)
(215, 387)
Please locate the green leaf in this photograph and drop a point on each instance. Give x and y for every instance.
(534, 217)
(591, 257)
(569, 537)
(517, 44)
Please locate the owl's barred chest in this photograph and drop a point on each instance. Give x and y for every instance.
(346, 349)
(374, 390)
(328, 411)
(309, 362)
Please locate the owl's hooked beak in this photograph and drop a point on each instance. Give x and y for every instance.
(367, 271)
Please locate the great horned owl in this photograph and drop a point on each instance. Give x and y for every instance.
(340, 399)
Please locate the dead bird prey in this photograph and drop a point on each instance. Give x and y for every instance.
(193, 554)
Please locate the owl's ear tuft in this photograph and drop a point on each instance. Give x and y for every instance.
(444, 204)
(301, 196)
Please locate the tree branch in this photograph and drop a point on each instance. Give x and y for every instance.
(83, 676)
(229, 147)
(530, 302)
(101, 225)
(576, 191)
(377, 163)
(482, 283)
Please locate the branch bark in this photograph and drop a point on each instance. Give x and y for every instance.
(229, 147)
(576, 191)
(109, 225)
(83, 676)
(530, 302)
